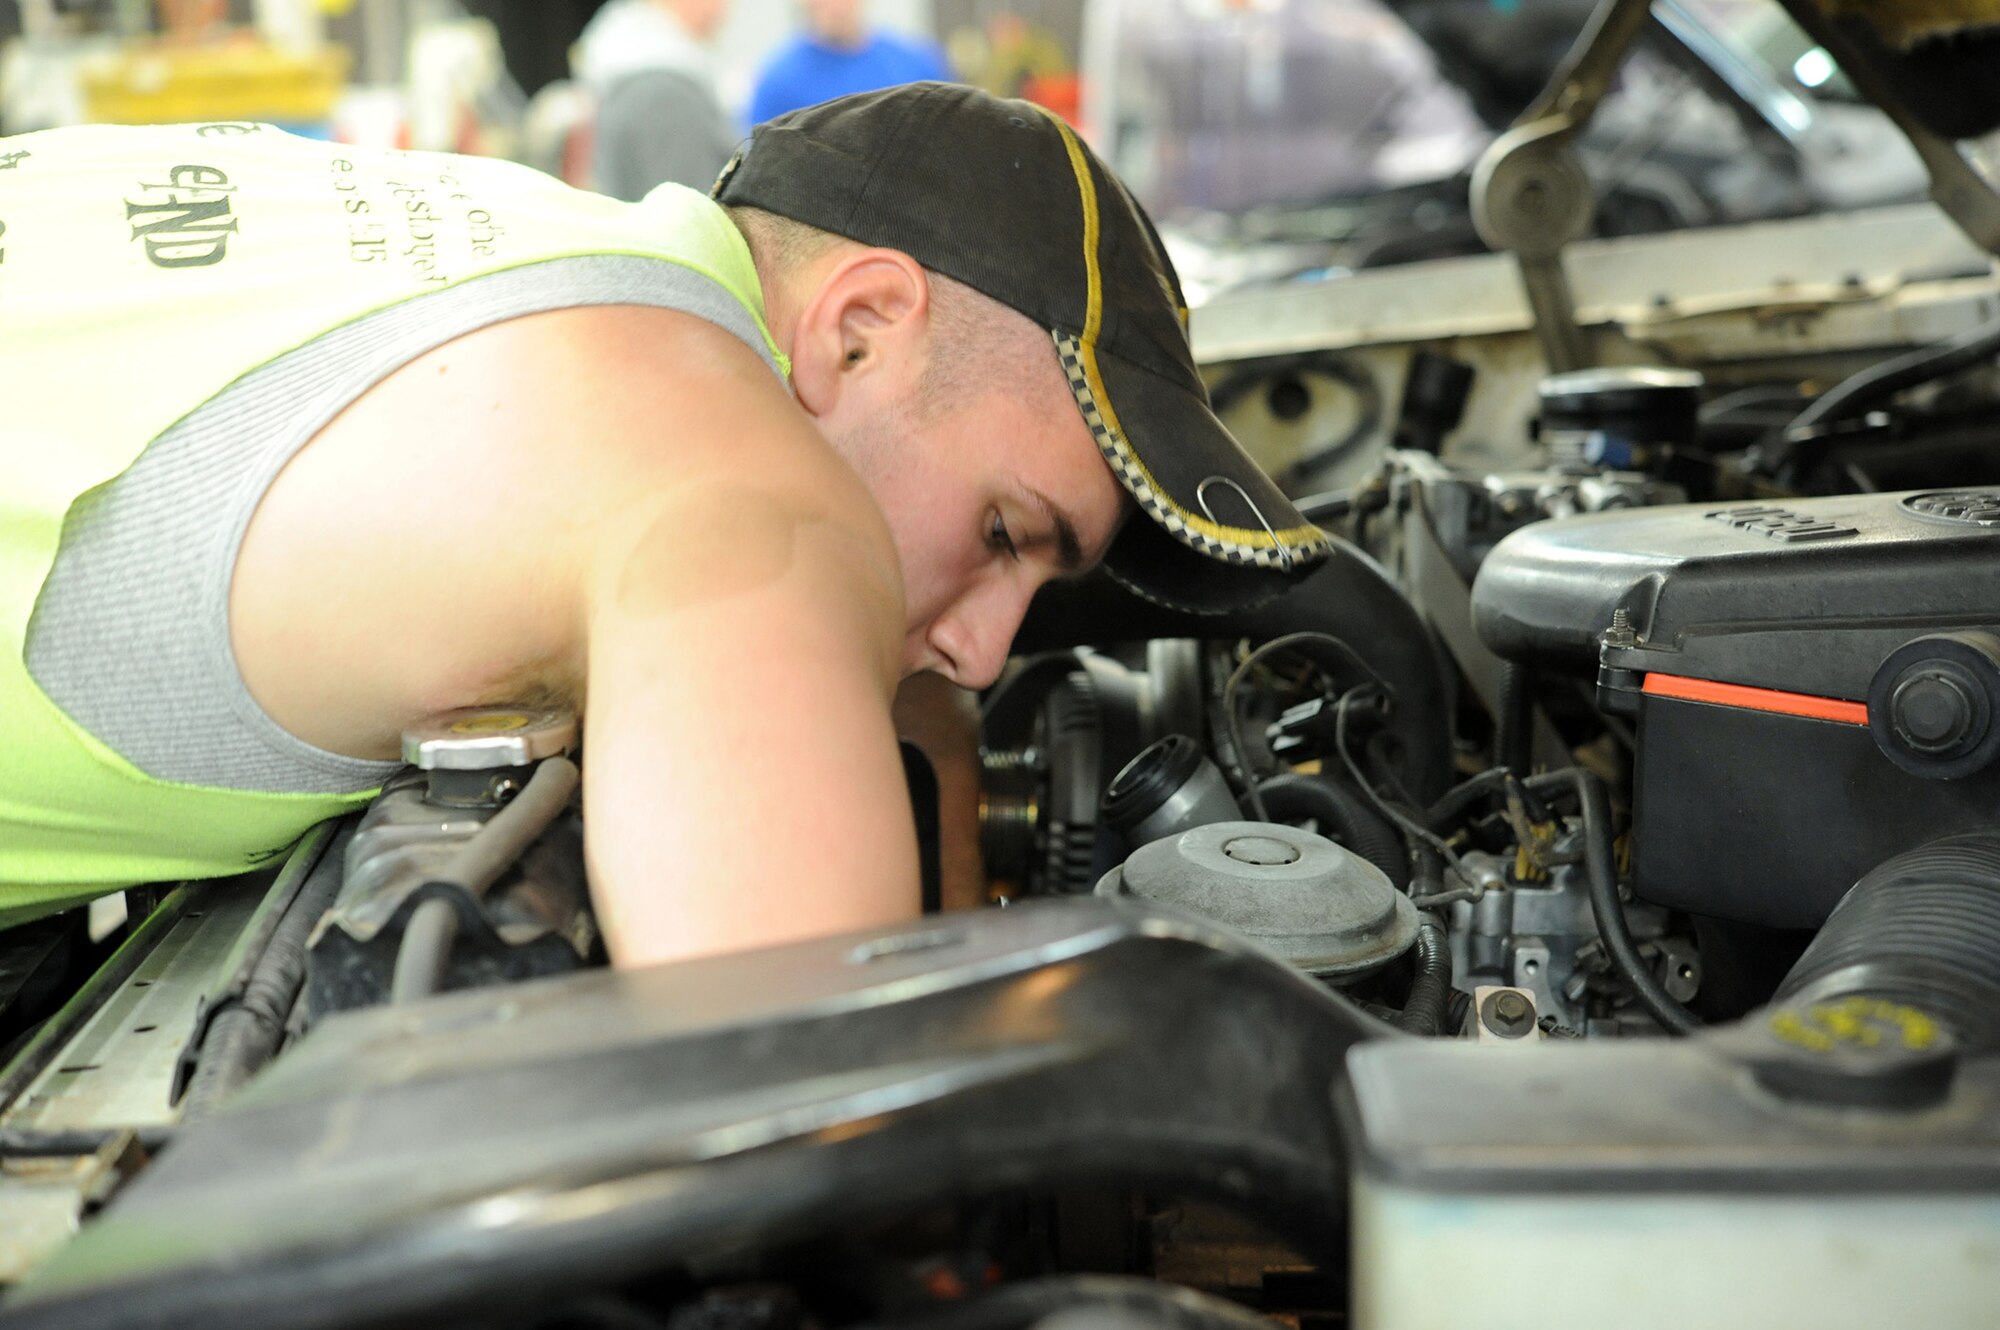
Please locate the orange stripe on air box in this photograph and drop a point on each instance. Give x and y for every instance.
(1756, 699)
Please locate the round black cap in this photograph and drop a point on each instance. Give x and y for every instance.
(1003, 196)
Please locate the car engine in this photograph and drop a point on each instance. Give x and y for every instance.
(1576, 902)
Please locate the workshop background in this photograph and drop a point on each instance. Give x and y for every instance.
(1233, 119)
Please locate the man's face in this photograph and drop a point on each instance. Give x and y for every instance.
(988, 499)
(835, 21)
(703, 18)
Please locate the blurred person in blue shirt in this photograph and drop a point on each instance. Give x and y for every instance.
(838, 54)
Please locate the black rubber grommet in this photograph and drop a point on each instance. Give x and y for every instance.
(1149, 780)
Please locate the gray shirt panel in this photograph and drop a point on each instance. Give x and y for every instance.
(130, 634)
(658, 126)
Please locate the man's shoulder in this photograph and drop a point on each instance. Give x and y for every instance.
(646, 353)
(603, 394)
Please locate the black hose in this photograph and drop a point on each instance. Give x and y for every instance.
(1342, 815)
(1890, 377)
(1922, 928)
(1351, 597)
(424, 957)
(1424, 1013)
(1514, 726)
(245, 1035)
(1144, 1301)
(1601, 871)
(1443, 816)
(1430, 992)
(1427, 1010)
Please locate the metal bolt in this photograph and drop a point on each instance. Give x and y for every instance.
(1509, 1014)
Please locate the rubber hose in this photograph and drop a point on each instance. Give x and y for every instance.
(1032, 1301)
(1342, 815)
(1514, 726)
(245, 1036)
(424, 956)
(1350, 597)
(1424, 1013)
(1878, 382)
(1922, 928)
(499, 845)
(1601, 871)
(1443, 816)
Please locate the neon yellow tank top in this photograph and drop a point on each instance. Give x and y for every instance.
(142, 271)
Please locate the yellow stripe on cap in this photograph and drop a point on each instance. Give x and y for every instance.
(1295, 538)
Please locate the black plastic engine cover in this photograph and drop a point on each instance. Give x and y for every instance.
(1807, 597)
(1766, 818)
(1752, 806)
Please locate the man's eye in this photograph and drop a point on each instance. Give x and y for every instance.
(1000, 539)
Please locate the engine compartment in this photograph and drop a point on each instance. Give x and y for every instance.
(1301, 964)
(1577, 901)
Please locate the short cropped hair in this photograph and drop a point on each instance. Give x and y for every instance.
(977, 343)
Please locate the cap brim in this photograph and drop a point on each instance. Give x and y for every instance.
(1214, 532)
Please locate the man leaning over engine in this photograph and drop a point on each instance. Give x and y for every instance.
(302, 444)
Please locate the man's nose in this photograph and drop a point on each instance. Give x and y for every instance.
(973, 636)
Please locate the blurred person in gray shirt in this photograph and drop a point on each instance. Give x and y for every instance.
(648, 65)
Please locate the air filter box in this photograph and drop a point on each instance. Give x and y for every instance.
(1816, 685)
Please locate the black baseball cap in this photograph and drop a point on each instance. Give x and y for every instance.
(1003, 196)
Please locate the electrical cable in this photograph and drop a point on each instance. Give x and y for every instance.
(245, 1034)
(1409, 825)
(1240, 756)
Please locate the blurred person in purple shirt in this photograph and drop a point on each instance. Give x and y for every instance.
(837, 54)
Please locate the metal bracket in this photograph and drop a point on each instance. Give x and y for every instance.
(1530, 194)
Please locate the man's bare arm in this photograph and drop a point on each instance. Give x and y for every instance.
(626, 504)
(742, 781)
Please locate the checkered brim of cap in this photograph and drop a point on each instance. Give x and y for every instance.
(1132, 474)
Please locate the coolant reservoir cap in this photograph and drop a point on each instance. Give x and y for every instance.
(1323, 908)
(1854, 1051)
(482, 738)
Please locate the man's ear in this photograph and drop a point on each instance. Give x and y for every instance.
(865, 323)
